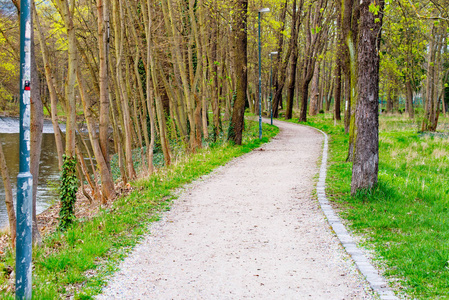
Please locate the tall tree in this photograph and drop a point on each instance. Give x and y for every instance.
(68, 177)
(339, 45)
(280, 65)
(296, 20)
(241, 61)
(107, 186)
(433, 99)
(316, 34)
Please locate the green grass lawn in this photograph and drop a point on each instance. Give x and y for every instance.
(405, 219)
(78, 261)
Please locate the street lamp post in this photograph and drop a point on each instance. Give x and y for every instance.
(271, 83)
(24, 179)
(262, 10)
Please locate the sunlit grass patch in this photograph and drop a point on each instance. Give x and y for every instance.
(405, 219)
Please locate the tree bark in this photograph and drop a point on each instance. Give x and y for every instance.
(66, 14)
(315, 41)
(51, 83)
(9, 202)
(313, 110)
(338, 67)
(349, 23)
(293, 61)
(103, 40)
(389, 101)
(107, 183)
(148, 21)
(366, 156)
(280, 65)
(124, 101)
(409, 99)
(213, 69)
(240, 46)
(36, 127)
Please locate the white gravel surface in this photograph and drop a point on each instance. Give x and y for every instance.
(251, 229)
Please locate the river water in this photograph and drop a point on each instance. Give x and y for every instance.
(48, 170)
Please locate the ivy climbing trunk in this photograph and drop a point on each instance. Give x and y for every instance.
(69, 183)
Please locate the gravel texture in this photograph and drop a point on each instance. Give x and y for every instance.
(251, 229)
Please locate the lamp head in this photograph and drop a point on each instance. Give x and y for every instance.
(273, 53)
(264, 10)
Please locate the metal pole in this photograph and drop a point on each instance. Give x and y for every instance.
(260, 85)
(271, 91)
(24, 179)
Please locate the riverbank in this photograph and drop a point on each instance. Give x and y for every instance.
(47, 221)
(75, 263)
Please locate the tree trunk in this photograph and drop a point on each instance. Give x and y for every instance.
(337, 91)
(213, 69)
(36, 127)
(329, 94)
(350, 25)
(293, 62)
(313, 110)
(124, 101)
(280, 65)
(389, 101)
(66, 14)
(314, 46)
(348, 102)
(107, 183)
(240, 48)
(409, 99)
(8, 196)
(51, 83)
(148, 22)
(103, 39)
(366, 156)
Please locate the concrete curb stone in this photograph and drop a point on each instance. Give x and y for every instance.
(375, 280)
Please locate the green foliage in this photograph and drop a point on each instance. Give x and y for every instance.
(67, 192)
(374, 9)
(403, 47)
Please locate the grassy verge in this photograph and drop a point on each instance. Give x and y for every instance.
(77, 262)
(405, 219)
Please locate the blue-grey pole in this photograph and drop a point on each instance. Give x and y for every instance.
(24, 179)
(271, 91)
(260, 85)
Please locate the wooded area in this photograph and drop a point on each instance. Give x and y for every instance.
(149, 75)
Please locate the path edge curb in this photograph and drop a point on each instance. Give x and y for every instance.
(377, 282)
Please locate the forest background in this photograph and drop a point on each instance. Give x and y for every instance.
(153, 77)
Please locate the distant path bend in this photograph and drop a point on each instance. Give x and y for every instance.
(251, 229)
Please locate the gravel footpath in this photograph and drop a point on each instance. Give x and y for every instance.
(251, 229)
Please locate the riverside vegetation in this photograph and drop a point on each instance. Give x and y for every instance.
(405, 218)
(77, 262)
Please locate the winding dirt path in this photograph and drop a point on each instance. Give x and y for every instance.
(251, 229)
